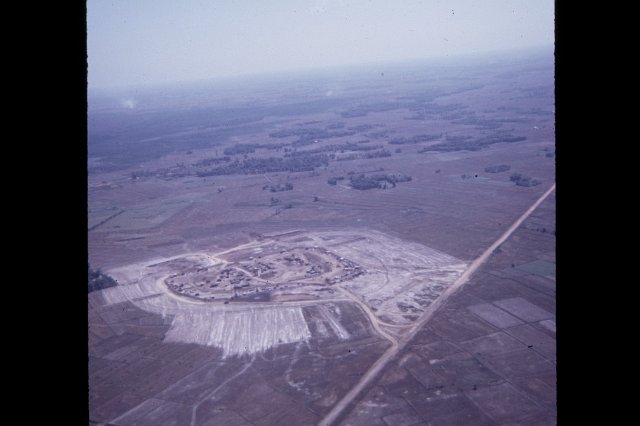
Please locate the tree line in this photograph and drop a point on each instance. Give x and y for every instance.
(381, 181)
(268, 165)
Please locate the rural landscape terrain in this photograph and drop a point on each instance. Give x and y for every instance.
(371, 245)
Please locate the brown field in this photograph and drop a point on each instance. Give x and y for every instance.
(265, 297)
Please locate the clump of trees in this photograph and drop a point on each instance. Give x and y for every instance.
(211, 161)
(381, 181)
(251, 166)
(377, 154)
(367, 156)
(241, 149)
(279, 187)
(249, 148)
(549, 153)
(497, 169)
(98, 281)
(467, 143)
(362, 182)
(378, 135)
(349, 146)
(415, 139)
(523, 180)
(334, 180)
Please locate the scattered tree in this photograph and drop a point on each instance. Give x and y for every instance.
(98, 281)
(498, 168)
(522, 180)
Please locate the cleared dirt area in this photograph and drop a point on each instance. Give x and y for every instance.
(223, 300)
(265, 271)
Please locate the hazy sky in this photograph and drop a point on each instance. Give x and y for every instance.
(131, 42)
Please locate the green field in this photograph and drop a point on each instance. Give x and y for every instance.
(538, 267)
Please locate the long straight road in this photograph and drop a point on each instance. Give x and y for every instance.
(377, 367)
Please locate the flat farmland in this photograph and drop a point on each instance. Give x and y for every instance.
(488, 356)
(290, 252)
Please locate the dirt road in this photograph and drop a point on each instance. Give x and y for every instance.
(374, 321)
(375, 369)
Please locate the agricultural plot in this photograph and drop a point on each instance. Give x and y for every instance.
(539, 267)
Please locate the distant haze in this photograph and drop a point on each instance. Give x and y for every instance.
(134, 42)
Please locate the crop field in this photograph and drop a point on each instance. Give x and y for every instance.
(539, 267)
(301, 251)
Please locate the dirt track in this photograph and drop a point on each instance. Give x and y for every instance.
(374, 321)
(375, 369)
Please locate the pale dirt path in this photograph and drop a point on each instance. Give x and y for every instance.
(375, 369)
(386, 324)
(214, 257)
(370, 314)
